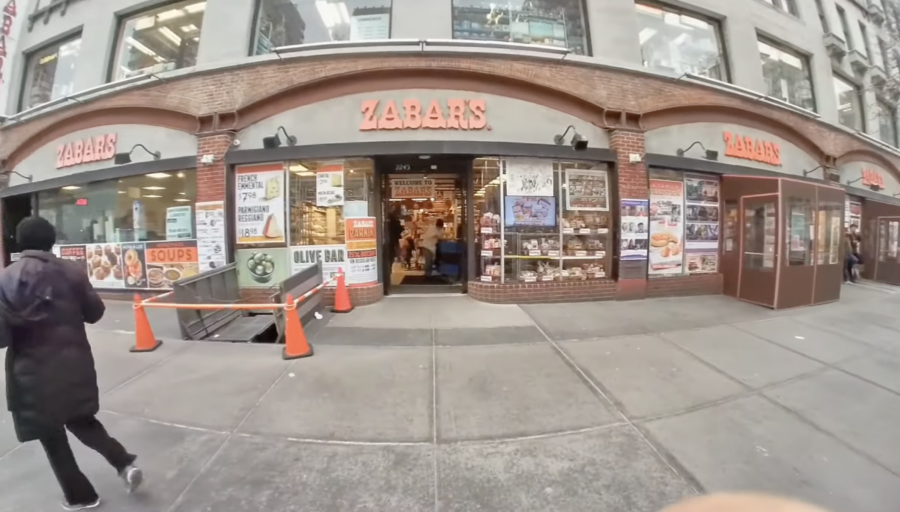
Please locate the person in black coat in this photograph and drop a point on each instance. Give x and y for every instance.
(51, 382)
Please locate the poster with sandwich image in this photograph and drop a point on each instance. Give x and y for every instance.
(259, 203)
(330, 185)
(666, 227)
(168, 262)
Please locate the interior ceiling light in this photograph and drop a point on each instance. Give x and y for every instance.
(152, 195)
(170, 14)
(182, 200)
(158, 175)
(154, 188)
(171, 36)
(71, 187)
(195, 8)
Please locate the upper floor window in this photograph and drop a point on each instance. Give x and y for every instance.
(159, 40)
(845, 26)
(887, 123)
(787, 75)
(866, 44)
(883, 50)
(680, 43)
(822, 18)
(788, 6)
(50, 73)
(559, 23)
(849, 98)
(292, 22)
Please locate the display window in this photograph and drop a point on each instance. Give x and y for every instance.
(542, 220)
(799, 231)
(684, 223)
(139, 232)
(828, 242)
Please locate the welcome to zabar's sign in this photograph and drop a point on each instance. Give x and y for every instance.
(748, 148)
(90, 149)
(458, 115)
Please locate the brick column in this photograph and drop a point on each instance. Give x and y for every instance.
(632, 184)
(211, 177)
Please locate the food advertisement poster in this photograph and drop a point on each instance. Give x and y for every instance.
(259, 203)
(72, 253)
(362, 252)
(262, 268)
(135, 265)
(211, 235)
(330, 185)
(587, 190)
(666, 227)
(852, 213)
(179, 224)
(104, 265)
(412, 189)
(169, 261)
(702, 263)
(529, 177)
(701, 214)
(333, 258)
(530, 211)
(634, 220)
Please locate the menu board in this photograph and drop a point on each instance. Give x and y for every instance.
(211, 235)
(170, 261)
(179, 224)
(362, 252)
(259, 203)
(529, 177)
(852, 213)
(666, 227)
(634, 218)
(333, 258)
(330, 185)
(587, 190)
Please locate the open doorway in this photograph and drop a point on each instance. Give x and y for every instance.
(424, 205)
(15, 208)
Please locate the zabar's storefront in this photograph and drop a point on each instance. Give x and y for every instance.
(123, 199)
(520, 213)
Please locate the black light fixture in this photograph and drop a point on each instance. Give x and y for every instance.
(854, 181)
(275, 141)
(824, 168)
(710, 154)
(17, 173)
(579, 142)
(125, 158)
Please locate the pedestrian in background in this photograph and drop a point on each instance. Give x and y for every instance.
(51, 382)
(851, 253)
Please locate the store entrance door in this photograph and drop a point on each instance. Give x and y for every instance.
(424, 212)
(15, 209)
(887, 260)
(758, 275)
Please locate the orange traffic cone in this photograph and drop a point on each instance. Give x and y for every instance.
(295, 344)
(144, 339)
(341, 296)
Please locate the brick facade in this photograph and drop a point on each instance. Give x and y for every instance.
(532, 293)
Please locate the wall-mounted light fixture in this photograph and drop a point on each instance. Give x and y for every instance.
(17, 173)
(709, 153)
(579, 142)
(275, 141)
(125, 158)
(824, 168)
(873, 187)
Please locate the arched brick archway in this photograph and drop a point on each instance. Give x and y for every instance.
(732, 115)
(103, 117)
(398, 79)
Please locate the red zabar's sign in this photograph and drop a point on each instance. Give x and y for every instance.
(747, 148)
(459, 115)
(873, 179)
(91, 149)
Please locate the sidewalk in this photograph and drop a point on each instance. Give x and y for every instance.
(447, 404)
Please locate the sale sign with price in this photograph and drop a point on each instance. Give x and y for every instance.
(259, 200)
(362, 250)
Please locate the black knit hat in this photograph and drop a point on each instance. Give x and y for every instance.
(35, 234)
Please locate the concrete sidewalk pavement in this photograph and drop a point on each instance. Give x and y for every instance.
(451, 405)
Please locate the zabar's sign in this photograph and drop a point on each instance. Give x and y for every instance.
(412, 189)
(872, 179)
(87, 150)
(748, 148)
(456, 114)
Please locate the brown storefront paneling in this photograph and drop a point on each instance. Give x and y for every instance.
(886, 271)
(760, 288)
(830, 276)
(796, 282)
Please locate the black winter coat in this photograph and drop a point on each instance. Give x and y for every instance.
(50, 374)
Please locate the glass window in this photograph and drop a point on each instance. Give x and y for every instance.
(822, 18)
(488, 203)
(159, 40)
(845, 26)
(798, 231)
(559, 23)
(849, 104)
(760, 231)
(787, 75)
(829, 239)
(50, 73)
(788, 6)
(887, 123)
(865, 37)
(292, 22)
(680, 43)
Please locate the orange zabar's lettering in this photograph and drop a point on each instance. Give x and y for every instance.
(457, 114)
(872, 179)
(90, 149)
(748, 148)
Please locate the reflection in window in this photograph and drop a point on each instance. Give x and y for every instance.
(679, 43)
(887, 123)
(292, 22)
(760, 236)
(50, 73)
(488, 202)
(125, 210)
(798, 231)
(829, 239)
(159, 40)
(849, 104)
(559, 23)
(324, 225)
(787, 75)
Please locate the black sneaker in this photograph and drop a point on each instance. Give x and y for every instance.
(81, 506)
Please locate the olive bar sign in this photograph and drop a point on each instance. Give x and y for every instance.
(333, 258)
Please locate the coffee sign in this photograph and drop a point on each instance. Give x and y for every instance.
(455, 114)
(85, 151)
(748, 148)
